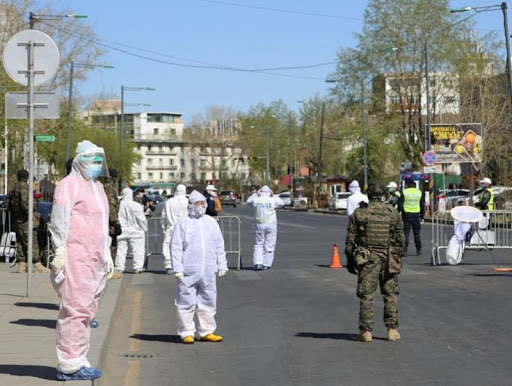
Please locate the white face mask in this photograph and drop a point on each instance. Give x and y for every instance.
(199, 211)
(214, 193)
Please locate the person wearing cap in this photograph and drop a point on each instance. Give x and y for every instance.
(486, 197)
(197, 253)
(374, 246)
(356, 198)
(210, 193)
(265, 234)
(82, 262)
(394, 194)
(412, 206)
(175, 208)
(16, 203)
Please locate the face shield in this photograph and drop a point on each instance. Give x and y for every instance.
(91, 163)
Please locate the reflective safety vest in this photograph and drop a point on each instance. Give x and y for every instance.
(490, 204)
(412, 198)
(392, 196)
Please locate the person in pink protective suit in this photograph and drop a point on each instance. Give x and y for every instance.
(79, 229)
(197, 254)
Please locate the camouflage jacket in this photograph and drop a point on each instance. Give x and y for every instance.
(16, 203)
(113, 201)
(376, 227)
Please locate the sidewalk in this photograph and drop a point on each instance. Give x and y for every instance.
(27, 328)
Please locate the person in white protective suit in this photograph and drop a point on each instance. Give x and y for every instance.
(79, 231)
(175, 209)
(134, 225)
(197, 253)
(265, 234)
(355, 198)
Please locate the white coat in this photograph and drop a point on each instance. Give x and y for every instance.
(355, 199)
(175, 209)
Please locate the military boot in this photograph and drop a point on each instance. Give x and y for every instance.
(40, 268)
(364, 336)
(22, 267)
(393, 334)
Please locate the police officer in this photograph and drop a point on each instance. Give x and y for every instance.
(374, 248)
(114, 227)
(412, 206)
(486, 197)
(17, 205)
(394, 194)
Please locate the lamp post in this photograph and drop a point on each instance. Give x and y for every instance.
(34, 17)
(70, 97)
(267, 166)
(123, 89)
(503, 7)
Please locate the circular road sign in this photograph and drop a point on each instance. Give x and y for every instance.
(46, 57)
(430, 158)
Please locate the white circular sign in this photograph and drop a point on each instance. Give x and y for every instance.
(46, 57)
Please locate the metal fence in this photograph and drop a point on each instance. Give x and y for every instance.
(493, 232)
(229, 225)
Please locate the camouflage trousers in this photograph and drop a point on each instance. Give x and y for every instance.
(22, 243)
(370, 275)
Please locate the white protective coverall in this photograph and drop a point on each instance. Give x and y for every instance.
(79, 228)
(265, 234)
(197, 247)
(134, 225)
(175, 209)
(356, 197)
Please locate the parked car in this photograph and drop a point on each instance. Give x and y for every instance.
(454, 197)
(286, 198)
(338, 201)
(497, 190)
(228, 197)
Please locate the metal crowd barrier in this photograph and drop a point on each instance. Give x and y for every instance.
(493, 232)
(229, 225)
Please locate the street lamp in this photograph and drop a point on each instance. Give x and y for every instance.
(33, 18)
(123, 89)
(503, 7)
(73, 65)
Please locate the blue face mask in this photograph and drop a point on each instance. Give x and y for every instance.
(92, 171)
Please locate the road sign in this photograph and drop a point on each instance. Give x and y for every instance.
(46, 57)
(429, 169)
(45, 138)
(429, 158)
(46, 105)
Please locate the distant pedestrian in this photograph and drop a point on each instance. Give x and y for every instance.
(412, 207)
(265, 233)
(356, 198)
(210, 194)
(394, 194)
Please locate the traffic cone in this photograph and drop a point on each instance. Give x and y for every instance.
(335, 260)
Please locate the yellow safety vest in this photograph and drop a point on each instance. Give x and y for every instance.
(412, 198)
(395, 193)
(490, 204)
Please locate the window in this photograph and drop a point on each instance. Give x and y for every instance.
(139, 176)
(160, 162)
(202, 163)
(160, 148)
(150, 176)
(149, 147)
(173, 131)
(161, 176)
(182, 176)
(203, 176)
(171, 162)
(182, 162)
(155, 131)
(171, 176)
(150, 161)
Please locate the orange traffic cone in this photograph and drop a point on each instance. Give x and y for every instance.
(335, 260)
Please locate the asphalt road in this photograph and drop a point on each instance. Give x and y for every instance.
(295, 324)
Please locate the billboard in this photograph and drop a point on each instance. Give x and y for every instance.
(457, 143)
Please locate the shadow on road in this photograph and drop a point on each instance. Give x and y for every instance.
(48, 323)
(331, 335)
(46, 306)
(157, 338)
(43, 372)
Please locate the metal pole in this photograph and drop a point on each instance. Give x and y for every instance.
(363, 124)
(6, 155)
(70, 108)
(122, 119)
(507, 41)
(291, 153)
(32, 19)
(30, 161)
(427, 89)
(267, 171)
(319, 175)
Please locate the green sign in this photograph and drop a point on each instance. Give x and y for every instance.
(45, 138)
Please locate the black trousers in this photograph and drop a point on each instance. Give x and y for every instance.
(412, 220)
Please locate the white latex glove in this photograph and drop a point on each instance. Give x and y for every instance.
(110, 270)
(222, 272)
(59, 260)
(179, 276)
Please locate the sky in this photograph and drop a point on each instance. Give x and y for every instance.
(169, 45)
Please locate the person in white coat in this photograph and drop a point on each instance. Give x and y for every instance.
(134, 225)
(356, 198)
(175, 209)
(265, 233)
(79, 229)
(197, 255)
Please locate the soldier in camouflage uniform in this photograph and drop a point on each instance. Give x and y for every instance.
(374, 247)
(110, 185)
(17, 205)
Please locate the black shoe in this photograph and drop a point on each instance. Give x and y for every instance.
(258, 267)
(418, 252)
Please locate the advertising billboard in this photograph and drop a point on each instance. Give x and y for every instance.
(457, 143)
